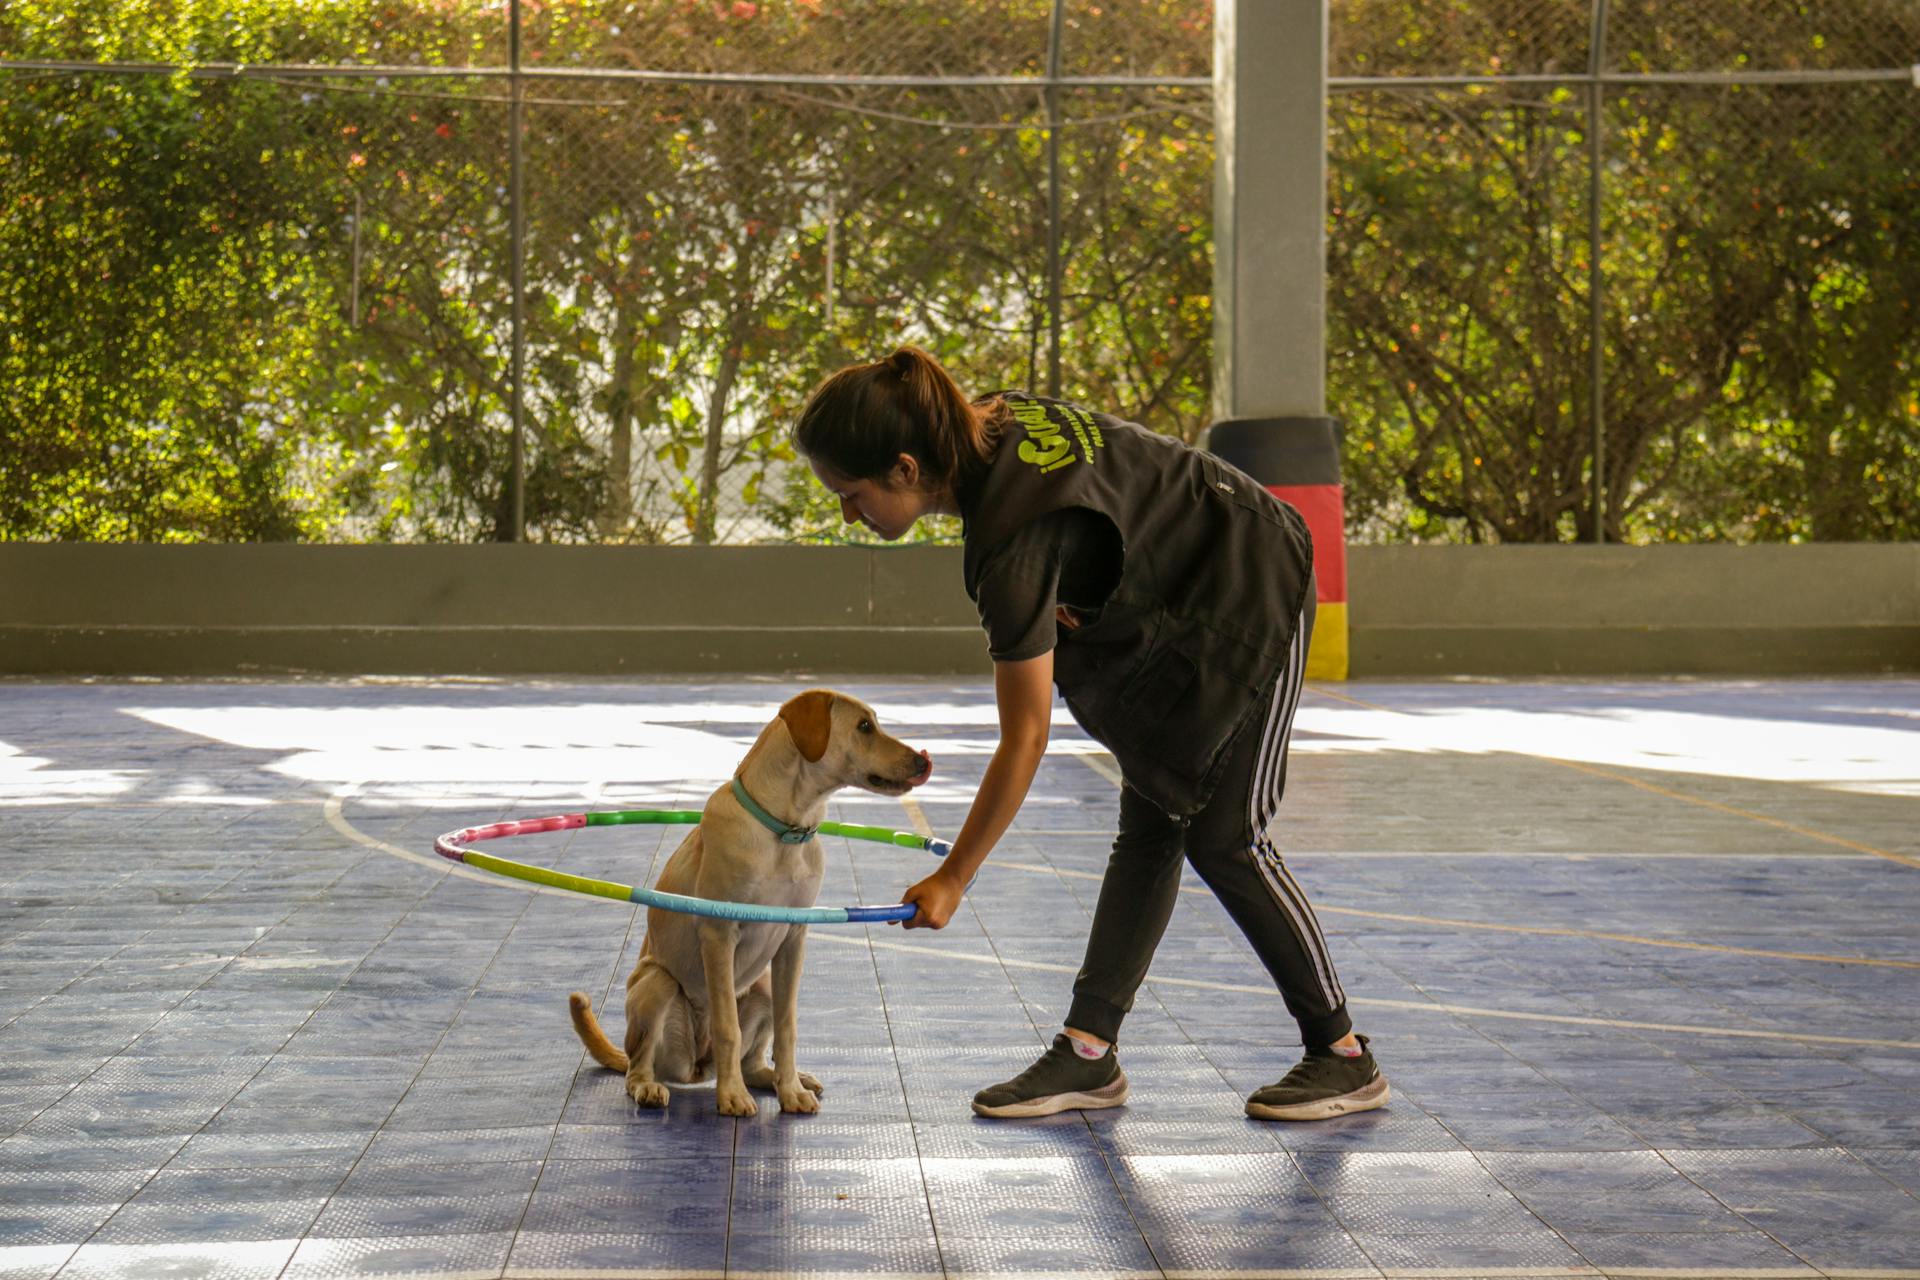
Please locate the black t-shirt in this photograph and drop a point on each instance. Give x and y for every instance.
(1068, 557)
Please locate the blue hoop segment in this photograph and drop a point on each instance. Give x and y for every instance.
(453, 846)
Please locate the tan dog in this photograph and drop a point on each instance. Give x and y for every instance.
(700, 999)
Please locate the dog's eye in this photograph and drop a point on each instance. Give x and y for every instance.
(866, 726)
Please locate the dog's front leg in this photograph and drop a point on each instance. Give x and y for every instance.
(797, 1092)
(718, 938)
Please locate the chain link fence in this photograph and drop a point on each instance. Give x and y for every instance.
(1627, 271)
(259, 280)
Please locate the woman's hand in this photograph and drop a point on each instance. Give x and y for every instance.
(937, 897)
(1023, 692)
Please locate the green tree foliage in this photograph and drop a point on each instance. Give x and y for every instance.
(1810, 236)
(1760, 349)
(281, 308)
(150, 278)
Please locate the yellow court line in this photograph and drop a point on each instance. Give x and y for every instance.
(1107, 771)
(1098, 763)
(1704, 803)
(1671, 794)
(916, 815)
(1675, 943)
(1374, 1002)
(1542, 930)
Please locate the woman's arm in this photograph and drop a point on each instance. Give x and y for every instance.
(1023, 691)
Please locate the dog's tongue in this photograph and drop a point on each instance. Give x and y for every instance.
(925, 773)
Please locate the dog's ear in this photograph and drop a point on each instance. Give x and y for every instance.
(809, 718)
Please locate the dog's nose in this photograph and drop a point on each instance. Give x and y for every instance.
(926, 769)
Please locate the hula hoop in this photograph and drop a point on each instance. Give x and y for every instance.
(453, 847)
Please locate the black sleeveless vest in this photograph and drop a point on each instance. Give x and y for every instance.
(1213, 575)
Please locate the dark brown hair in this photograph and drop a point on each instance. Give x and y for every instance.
(861, 419)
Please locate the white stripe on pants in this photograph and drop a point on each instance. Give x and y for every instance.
(1263, 801)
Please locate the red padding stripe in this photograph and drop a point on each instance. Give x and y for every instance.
(1325, 508)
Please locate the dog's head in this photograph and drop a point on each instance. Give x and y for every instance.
(840, 736)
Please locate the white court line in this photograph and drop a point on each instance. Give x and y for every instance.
(338, 821)
(606, 1273)
(1569, 855)
(1256, 1273)
(336, 818)
(1416, 1006)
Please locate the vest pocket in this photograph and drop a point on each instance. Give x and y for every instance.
(1157, 691)
(1183, 705)
(1164, 694)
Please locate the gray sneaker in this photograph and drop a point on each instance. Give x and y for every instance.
(1324, 1084)
(1061, 1080)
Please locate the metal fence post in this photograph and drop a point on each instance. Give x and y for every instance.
(1596, 283)
(517, 219)
(1054, 273)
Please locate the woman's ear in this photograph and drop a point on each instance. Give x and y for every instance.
(906, 472)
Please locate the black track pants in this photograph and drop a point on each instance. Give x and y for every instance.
(1227, 843)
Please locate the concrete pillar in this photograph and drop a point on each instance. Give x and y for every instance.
(1269, 336)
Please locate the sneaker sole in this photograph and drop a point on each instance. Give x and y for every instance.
(1363, 1099)
(1111, 1096)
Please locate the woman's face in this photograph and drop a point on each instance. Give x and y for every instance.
(889, 506)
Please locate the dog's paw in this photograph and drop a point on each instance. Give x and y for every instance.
(648, 1093)
(799, 1098)
(819, 1090)
(735, 1101)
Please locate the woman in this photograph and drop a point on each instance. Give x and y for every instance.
(1170, 598)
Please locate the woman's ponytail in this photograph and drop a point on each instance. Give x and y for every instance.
(861, 419)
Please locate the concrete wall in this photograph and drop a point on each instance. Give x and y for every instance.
(1671, 610)
(1417, 611)
(493, 608)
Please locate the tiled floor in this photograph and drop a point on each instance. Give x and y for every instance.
(1642, 962)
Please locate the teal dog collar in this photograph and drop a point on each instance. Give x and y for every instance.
(788, 834)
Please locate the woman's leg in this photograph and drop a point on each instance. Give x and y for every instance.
(1136, 898)
(1228, 844)
(1137, 894)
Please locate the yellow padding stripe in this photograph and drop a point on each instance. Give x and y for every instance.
(1327, 657)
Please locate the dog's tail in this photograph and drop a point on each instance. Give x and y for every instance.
(587, 1027)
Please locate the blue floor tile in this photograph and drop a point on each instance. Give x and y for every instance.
(1732, 1251)
(1288, 1248)
(270, 1048)
(813, 1251)
(538, 1253)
